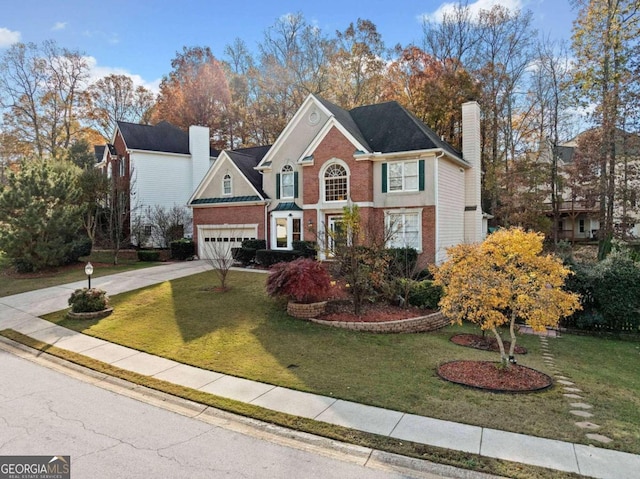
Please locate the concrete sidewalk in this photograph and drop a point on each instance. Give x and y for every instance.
(21, 311)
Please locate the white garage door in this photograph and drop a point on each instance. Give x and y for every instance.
(216, 241)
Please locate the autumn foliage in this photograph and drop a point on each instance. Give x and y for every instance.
(303, 280)
(504, 279)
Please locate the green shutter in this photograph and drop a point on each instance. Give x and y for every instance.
(384, 177)
(421, 175)
(277, 186)
(295, 184)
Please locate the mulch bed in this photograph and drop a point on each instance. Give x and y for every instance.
(491, 377)
(342, 310)
(486, 343)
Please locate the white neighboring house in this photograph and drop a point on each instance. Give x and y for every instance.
(165, 165)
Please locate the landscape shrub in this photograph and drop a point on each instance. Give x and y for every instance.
(610, 295)
(402, 261)
(182, 249)
(307, 249)
(148, 255)
(269, 257)
(425, 294)
(303, 280)
(254, 244)
(245, 256)
(88, 300)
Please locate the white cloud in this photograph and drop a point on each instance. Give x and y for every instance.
(474, 8)
(59, 26)
(98, 71)
(7, 37)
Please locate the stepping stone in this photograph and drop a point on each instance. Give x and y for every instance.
(561, 377)
(566, 383)
(600, 438)
(572, 390)
(581, 413)
(587, 425)
(572, 396)
(547, 354)
(581, 405)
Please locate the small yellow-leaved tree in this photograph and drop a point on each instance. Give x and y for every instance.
(503, 279)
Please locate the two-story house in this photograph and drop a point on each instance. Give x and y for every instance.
(379, 157)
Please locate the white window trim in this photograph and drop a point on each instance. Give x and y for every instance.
(224, 179)
(405, 211)
(322, 185)
(290, 216)
(293, 185)
(404, 189)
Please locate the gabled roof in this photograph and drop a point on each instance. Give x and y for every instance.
(163, 137)
(246, 159)
(346, 120)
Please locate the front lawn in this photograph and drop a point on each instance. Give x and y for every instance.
(244, 333)
(14, 283)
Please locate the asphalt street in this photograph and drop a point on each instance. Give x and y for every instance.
(110, 435)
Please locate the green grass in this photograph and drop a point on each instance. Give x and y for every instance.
(374, 441)
(12, 283)
(244, 333)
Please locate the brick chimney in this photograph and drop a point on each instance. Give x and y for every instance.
(471, 149)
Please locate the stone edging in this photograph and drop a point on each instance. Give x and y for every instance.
(420, 324)
(93, 315)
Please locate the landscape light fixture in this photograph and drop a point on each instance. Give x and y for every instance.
(88, 270)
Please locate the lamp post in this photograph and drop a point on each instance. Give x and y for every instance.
(88, 270)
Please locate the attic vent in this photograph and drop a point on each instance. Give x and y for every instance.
(314, 117)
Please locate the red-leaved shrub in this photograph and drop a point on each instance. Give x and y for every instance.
(303, 280)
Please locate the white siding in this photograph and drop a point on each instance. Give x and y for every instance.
(450, 207)
(160, 179)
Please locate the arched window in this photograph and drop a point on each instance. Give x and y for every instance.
(287, 182)
(226, 185)
(335, 183)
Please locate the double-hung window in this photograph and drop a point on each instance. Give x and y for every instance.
(404, 229)
(287, 182)
(401, 176)
(226, 185)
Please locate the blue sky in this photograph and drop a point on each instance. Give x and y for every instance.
(140, 37)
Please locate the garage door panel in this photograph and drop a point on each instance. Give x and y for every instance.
(217, 241)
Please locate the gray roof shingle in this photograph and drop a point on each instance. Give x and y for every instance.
(161, 137)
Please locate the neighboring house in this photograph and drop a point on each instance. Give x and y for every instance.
(579, 216)
(379, 157)
(163, 162)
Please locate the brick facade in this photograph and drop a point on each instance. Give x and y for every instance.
(336, 146)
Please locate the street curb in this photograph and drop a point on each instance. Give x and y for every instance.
(367, 457)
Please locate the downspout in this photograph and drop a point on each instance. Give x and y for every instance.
(266, 221)
(437, 208)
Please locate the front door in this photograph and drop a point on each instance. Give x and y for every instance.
(336, 234)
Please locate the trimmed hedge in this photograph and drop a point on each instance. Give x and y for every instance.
(244, 256)
(148, 255)
(307, 249)
(269, 257)
(88, 300)
(182, 249)
(254, 244)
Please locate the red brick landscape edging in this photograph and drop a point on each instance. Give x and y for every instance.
(421, 324)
